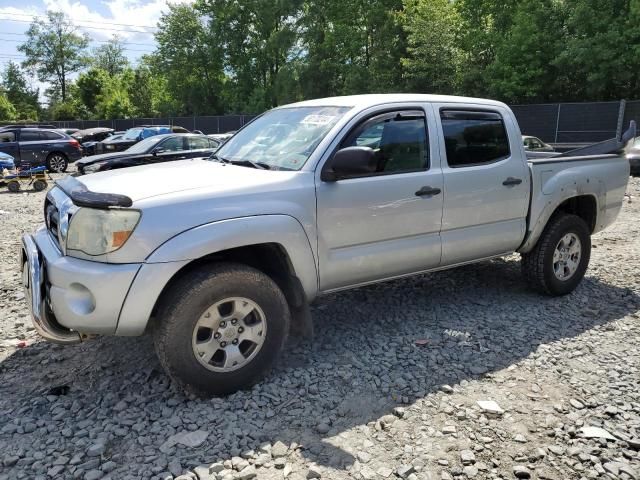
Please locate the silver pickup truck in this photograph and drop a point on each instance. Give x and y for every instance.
(219, 258)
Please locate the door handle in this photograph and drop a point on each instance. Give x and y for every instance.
(427, 191)
(512, 181)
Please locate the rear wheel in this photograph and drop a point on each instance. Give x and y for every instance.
(221, 328)
(14, 186)
(39, 185)
(560, 259)
(57, 162)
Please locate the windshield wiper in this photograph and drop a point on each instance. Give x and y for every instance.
(245, 163)
(251, 163)
(217, 158)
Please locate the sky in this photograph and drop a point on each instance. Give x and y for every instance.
(133, 20)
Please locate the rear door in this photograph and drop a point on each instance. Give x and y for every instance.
(9, 145)
(173, 148)
(199, 147)
(31, 148)
(486, 182)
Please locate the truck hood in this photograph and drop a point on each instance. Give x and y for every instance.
(154, 180)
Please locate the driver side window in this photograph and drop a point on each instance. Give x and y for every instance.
(399, 140)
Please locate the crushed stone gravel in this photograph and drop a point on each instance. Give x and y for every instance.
(451, 375)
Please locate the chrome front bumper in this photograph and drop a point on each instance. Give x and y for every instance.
(71, 298)
(33, 284)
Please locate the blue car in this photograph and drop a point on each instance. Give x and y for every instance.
(6, 161)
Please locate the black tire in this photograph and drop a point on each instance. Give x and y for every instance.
(13, 187)
(39, 185)
(186, 301)
(57, 162)
(538, 265)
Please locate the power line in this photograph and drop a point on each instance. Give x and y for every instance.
(126, 49)
(96, 41)
(44, 17)
(86, 26)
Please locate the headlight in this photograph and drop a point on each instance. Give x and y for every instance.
(96, 232)
(91, 168)
(109, 147)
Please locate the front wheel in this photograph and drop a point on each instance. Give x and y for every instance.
(560, 259)
(221, 328)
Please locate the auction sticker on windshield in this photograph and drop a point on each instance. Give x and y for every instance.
(316, 119)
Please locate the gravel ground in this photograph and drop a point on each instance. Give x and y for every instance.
(459, 374)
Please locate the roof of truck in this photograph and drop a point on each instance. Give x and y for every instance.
(368, 100)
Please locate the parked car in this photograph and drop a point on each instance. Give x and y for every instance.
(37, 147)
(222, 137)
(68, 131)
(156, 149)
(633, 155)
(89, 148)
(6, 162)
(31, 125)
(96, 134)
(90, 138)
(534, 144)
(135, 135)
(227, 254)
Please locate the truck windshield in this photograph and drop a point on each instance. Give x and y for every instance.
(283, 138)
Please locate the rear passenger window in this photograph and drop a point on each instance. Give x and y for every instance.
(198, 143)
(26, 136)
(50, 136)
(474, 138)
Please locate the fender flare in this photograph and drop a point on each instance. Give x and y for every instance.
(563, 190)
(198, 242)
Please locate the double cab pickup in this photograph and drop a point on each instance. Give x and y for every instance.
(220, 257)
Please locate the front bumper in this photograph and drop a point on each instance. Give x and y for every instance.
(70, 297)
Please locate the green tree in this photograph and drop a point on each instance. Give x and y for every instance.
(191, 61)
(482, 25)
(114, 101)
(523, 68)
(19, 93)
(110, 57)
(599, 60)
(354, 46)
(7, 110)
(90, 86)
(54, 50)
(67, 110)
(257, 39)
(432, 63)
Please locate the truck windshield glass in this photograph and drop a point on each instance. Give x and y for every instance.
(282, 139)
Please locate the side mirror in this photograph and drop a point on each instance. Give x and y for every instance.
(348, 163)
(158, 151)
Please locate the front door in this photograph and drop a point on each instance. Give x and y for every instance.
(384, 224)
(486, 183)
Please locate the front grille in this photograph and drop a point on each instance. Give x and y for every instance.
(58, 210)
(52, 220)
